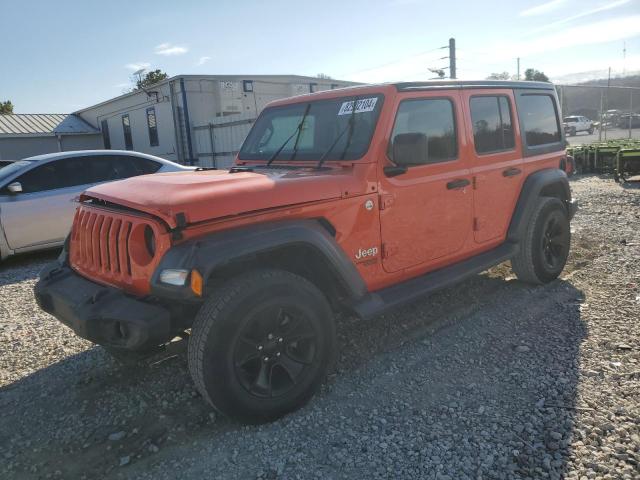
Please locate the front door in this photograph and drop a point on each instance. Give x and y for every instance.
(426, 213)
(497, 162)
(43, 212)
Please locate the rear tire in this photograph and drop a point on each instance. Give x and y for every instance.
(545, 246)
(261, 345)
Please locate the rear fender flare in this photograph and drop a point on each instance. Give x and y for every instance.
(535, 186)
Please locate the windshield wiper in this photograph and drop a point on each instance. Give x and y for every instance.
(297, 132)
(350, 127)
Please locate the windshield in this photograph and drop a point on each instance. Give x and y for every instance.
(9, 170)
(322, 130)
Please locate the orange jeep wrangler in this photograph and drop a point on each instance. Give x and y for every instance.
(358, 200)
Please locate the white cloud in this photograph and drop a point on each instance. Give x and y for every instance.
(168, 49)
(137, 65)
(617, 28)
(601, 8)
(203, 60)
(542, 8)
(499, 57)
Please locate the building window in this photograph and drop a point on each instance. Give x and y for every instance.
(540, 120)
(126, 128)
(334, 86)
(491, 119)
(313, 87)
(153, 127)
(104, 125)
(431, 122)
(247, 86)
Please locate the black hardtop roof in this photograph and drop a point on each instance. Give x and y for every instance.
(464, 84)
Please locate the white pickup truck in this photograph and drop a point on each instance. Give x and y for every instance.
(575, 124)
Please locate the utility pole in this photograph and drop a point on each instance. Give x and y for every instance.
(518, 69)
(452, 58)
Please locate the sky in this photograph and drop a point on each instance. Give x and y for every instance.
(58, 57)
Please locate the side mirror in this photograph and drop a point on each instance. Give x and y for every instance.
(410, 149)
(15, 187)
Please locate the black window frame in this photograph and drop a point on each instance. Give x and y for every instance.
(106, 137)
(126, 131)
(455, 130)
(153, 131)
(531, 150)
(497, 96)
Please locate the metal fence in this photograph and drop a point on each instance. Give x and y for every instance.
(218, 142)
(613, 111)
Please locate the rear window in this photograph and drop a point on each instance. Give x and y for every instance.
(540, 121)
(570, 119)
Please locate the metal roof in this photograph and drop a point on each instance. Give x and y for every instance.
(43, 124)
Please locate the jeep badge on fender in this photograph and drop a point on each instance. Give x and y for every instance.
(256, 262)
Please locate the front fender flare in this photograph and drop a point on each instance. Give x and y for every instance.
(208, 253)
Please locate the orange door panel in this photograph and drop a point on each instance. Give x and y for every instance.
(426, 213)
(496, 157)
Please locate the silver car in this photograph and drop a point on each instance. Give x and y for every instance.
(36, 194)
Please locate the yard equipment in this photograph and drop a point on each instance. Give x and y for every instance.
(627, 164)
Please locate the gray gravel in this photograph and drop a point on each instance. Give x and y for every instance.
(486, 380)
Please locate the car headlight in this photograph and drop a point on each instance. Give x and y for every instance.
(177, 277)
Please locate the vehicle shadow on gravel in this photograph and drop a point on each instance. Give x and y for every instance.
(485, 373)
(25, 267)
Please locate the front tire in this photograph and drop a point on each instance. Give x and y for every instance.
(545, 246)
(261, 345)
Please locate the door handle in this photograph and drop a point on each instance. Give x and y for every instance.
(457, 184)
(511, 172)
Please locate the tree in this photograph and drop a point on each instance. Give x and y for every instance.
(6, 108)
(323, 76)
(536, 75)
(499, 76)
(151, 78)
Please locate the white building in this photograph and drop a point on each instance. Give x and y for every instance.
(194, 119)
(26, 135)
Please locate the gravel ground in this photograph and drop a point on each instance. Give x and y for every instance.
(486, 380)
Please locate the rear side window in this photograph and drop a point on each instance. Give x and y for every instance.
(106, 168)
(433, 118)
(145, 166)
(492, 128)
(539, 118)
(126, 129)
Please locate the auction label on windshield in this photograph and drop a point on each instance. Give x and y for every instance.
(364, 105)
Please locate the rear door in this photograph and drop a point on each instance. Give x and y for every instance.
(426, 212)
(42, 214)
(497, 164)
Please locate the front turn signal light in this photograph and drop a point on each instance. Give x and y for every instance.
(196, 282)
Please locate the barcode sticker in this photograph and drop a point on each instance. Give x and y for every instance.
(363, 105)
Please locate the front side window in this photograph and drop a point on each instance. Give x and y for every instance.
(539, 119)
(126, 129)
(153, 127)
(492, 128)
(65, 173)
(429, 123)
(328, 129)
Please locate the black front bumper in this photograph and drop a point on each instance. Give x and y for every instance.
(103, 315)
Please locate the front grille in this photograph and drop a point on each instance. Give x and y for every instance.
(101, 243)
(108, 247)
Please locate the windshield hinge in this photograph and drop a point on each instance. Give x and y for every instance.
(386, 200)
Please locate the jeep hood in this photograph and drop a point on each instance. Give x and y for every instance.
(211, 194)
